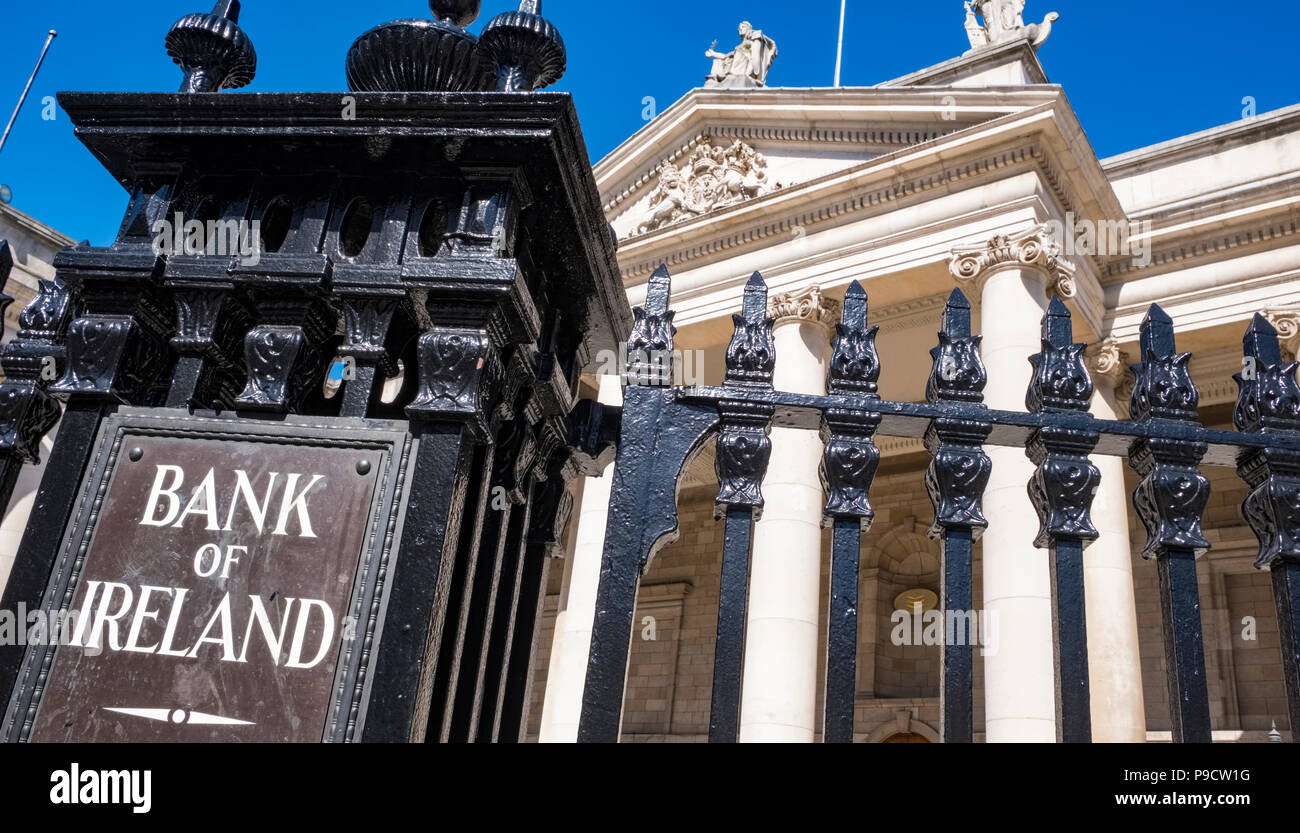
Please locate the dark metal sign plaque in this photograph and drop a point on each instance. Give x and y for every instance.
(221, 580)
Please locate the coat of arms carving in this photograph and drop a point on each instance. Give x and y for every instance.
(712, 178)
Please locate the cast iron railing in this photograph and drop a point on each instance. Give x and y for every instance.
(664, 427)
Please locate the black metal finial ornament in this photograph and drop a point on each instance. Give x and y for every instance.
(528, 50)
(650, 346)
(1269, 404)
(1173, 494)
(743, 444)
(751, 356)
(855, 364)
(212, 50)
(1065, 482)
(958, 374)
(1171, 500)
(411, 56)
(1269, 401)
(743, 452)
(848, 469)
(955, 481)
(1062, 491)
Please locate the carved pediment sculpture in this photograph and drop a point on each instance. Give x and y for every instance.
(1003, 21)
(711, 178)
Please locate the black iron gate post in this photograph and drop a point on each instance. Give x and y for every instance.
(1062, 491)
(1171, 501)
(848, 468)
(424, 257)
(659, 433)
(743, 452)
(956, 481)
(1269, 403)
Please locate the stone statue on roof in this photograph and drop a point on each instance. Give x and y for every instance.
(745, 66)
(1004, 21)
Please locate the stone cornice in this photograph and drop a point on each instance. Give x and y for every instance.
(52, 238)
(805, 305)
(1263, 125)
(1203, 246)
(1035, 248)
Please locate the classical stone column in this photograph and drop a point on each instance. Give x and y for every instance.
(567, 673)
(779, 696)
(1012, 276)
(1114, 659)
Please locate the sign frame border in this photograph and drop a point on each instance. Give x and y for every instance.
(367, 600)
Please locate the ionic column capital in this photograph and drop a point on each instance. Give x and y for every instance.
(805, 305)
(1110, 367)
(1036, 249)
(1287, 322)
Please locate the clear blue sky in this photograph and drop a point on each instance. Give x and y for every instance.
(1136, 72)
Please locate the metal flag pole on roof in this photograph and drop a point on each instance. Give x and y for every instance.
(27, 89)
(839, 52)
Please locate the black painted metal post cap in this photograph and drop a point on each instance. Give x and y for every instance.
(956, 315)
(457, 12)
(422, 56)
(1058, 330)
(213, 51)
(528, 50)
(1261, 342)
(854, 311)
(1157, 333)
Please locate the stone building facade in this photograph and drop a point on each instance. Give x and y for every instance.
(974, 173)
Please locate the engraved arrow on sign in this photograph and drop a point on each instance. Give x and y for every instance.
(182, 717)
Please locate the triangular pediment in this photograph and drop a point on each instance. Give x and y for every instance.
(715, 149)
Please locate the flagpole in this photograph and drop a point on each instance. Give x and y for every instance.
(839, 52)
(27, 89)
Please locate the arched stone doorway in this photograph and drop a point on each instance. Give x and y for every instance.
(906, 737)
